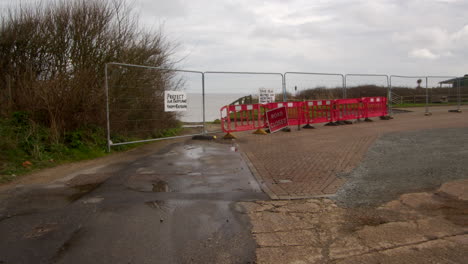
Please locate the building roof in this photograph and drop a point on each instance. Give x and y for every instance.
(451, 81)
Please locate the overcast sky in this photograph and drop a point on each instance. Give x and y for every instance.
(346, 36)
(410, 37)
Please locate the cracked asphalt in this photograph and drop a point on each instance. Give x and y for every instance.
(427, 227)
(197, 202)
(176, 205)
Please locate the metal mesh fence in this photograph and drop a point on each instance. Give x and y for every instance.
(440, 93)
(313, 86)
(226, 88)
(136, 96)
(366, 85)
(136, 103)
(408, 91)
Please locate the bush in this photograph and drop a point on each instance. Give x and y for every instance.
(52, 62)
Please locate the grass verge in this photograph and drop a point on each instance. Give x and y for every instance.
(27, 146)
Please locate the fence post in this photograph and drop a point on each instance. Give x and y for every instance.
(10, 95)
(106, 87)
(459, 94)
(203, 103)
(427, 97)
(283, 79)
(345, 92)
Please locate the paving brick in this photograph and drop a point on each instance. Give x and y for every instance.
(308, 162)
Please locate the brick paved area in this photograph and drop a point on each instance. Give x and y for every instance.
(307, 163)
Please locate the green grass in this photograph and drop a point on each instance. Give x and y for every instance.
(24, 140)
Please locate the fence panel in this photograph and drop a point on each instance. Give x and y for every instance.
(367, 85)
(408, 91)
(136, 103)
(301, 86)
(234, 88)
(443, 92)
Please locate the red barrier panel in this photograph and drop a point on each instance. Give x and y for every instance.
(294, 110)
(318, 111)
(375, 106)
(346, 109)
(235, 118)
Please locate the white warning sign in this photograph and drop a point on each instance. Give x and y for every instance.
(175, 101)
(266, 95)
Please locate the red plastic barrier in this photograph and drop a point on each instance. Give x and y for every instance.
(346, 109)
(375, 106)
(318, 111)
(235, 118)
(242, 117)
(294, 110)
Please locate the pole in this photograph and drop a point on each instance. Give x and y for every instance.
(427, 97)
(203, 102)
(343, 81)
(459, 94)
(389, 97)
(106, 87)
(283, 78)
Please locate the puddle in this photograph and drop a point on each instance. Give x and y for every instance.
(284, 181)
(145, 171)
(93, 200)
(194, 152)
(160, 186)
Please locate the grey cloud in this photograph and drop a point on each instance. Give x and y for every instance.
(378, 36)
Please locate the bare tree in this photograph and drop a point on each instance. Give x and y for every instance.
(52, 59)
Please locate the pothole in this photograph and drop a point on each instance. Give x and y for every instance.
(149, 183)
(160, 186)
(93, 200)
(83, 190)
(41, 230)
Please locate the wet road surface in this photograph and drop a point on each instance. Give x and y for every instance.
(177, 205)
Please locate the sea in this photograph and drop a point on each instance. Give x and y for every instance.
(213, 104)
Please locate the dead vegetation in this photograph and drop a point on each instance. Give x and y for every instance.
(52, 61)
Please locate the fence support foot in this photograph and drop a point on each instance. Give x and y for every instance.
(368, 120)
(203, 137)
(229, 136)
(308, 126)
(385, 118)
(260, 131)
(331, 124)
(286, 129)
(340, 123)
(455, 111)
(347, 122)
(428, 114)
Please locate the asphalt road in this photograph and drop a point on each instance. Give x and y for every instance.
(177, 205)
(403, 162)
